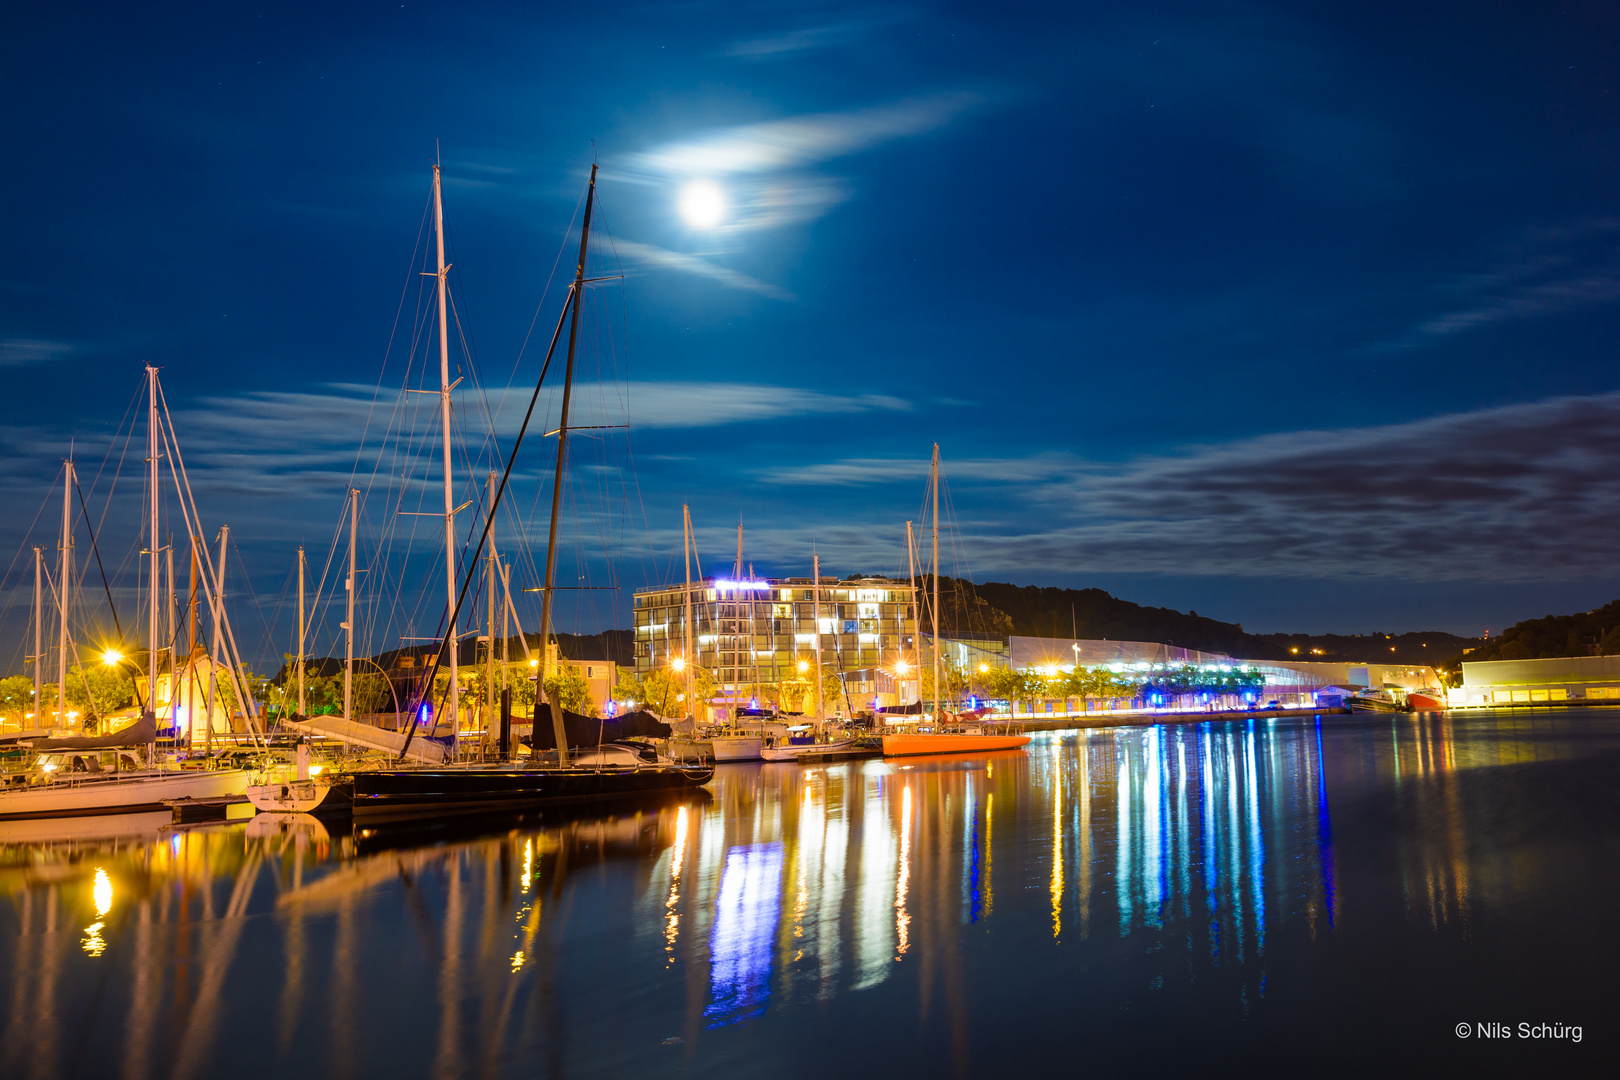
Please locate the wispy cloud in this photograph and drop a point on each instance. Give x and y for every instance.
(664, 259)
(1521, 493)
(810, 38)
(1547, 272)
(801, 141)
(15, 352)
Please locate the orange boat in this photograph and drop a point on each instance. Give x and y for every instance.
(948, 743)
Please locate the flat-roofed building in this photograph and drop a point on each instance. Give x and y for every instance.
(751, 634)
(1529, 682)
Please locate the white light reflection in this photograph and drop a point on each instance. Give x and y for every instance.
(746, 913)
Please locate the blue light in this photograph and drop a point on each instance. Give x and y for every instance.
(724, 584)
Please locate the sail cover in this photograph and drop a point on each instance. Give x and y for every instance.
(915, 708)
(592, 730)
(423, 748)
(139, 733)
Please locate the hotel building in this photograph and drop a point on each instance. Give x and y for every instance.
(751, 635)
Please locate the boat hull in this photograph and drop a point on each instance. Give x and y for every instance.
(1373, 706)
(114, 796)
(406, 793)
(1420, 702)
(929, 743)
(807, 751)
(737, 747)
(295, 797)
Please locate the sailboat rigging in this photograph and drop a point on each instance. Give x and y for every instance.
(473, 786)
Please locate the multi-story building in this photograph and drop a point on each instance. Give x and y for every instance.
(753, 634)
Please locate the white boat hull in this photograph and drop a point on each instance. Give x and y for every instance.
(293, 797)
(806, 751)
(737, 747)
(121, 795)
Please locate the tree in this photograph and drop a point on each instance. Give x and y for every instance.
(568, 688)
(100, 688)
(16, 699)
(953, 680)
(664, 690)
(629, 687)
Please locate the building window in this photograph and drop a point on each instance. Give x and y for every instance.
(850, 626)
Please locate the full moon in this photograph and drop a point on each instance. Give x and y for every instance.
(702, 204)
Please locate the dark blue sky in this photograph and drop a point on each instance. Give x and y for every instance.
(1299, 315)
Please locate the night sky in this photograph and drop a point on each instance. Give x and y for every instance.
(1301, 316)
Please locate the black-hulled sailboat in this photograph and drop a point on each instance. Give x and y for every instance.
(503, 786)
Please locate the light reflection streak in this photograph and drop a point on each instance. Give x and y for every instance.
(672, 914)
(902, 919)
(746, 913)
(1056, 889)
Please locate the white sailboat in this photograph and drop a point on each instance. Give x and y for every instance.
(117, 772)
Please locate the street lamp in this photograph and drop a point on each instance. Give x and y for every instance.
(678, 664)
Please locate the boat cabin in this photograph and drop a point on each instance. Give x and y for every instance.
(62, 764)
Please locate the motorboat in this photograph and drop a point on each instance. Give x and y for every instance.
(800, 742)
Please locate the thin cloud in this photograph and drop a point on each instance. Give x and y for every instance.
(664, 259)
(15, 352)
(802, 141)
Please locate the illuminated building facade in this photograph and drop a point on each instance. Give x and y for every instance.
(752, 634)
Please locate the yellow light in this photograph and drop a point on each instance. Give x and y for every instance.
(804, 666)
(315, 770)
(534, 663)
(983, 668)
(102, 892)
(1051, 671)
(679, 663)
(112, 657)
(902, 667)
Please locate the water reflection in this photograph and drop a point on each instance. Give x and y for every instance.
(1193, 848)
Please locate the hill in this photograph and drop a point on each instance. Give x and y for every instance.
(1590, 633)
(1037, 611)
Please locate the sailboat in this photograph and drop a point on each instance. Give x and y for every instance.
(115, 773)
(507, 785)
(948, 734)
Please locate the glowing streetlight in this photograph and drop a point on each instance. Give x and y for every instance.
(112, 658)
(901, 667)
(804, 666)
(678, 664)
(534, 663)
(984, 669)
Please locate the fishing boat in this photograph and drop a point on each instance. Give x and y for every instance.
(506, 784)
(1429, 699)
(939, 732)
(1373, 701)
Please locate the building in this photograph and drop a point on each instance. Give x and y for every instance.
(752, 634)
(1515, 682)
(1288, 682)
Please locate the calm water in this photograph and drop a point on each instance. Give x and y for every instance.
(1298, 896)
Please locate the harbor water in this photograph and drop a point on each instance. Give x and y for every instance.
(1292, 896)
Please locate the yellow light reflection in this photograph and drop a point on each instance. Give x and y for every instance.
(103, 893)
(672, 916)
(517, 961)
(528, 864)
(902, 918)
(1057, 848)
(94, 944)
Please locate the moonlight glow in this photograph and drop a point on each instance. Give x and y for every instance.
(702, 204)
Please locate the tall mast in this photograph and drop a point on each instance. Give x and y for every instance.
(174, 672)
(64, 588)
(815, 593)
(39, 629)
(686, 619)
(933, 480)
(916, 622)
(348, 625)
(152, 537)
(191, 603)
(490, 583)
(557, 479)
(737, 570)
(301, 617)
(449, 490)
